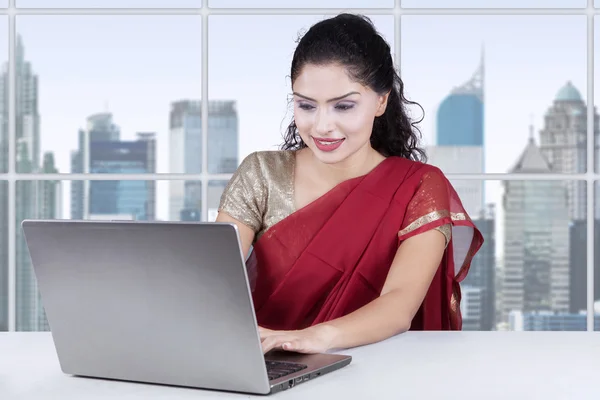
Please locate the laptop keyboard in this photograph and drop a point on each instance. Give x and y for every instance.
(278, 369)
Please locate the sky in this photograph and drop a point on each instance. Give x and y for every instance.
(298, 3)
(135, 66)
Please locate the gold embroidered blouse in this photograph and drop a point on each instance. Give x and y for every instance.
(261, 192)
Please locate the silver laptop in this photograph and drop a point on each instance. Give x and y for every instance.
(158, 302)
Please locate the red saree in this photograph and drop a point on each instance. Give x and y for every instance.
(332, 257)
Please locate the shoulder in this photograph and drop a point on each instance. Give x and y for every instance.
(265, 162)
(246, 195)
(432, 175)
(428, 199)
(417, 171)
(257, 172)
(274, 159)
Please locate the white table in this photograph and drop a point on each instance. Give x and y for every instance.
(414, 365)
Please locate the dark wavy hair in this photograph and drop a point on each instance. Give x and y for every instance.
(353, 42)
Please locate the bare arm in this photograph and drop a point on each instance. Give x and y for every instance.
(411, 273)
(409, 278)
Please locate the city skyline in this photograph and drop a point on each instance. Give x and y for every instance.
(162, 202)
(130, 73)
(263, 116)
(427, 92)
(145, 97)
(55, 116)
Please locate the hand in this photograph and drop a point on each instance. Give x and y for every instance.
(316, 339)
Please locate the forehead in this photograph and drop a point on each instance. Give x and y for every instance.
(325, 81)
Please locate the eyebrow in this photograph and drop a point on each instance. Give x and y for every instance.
(334, 99)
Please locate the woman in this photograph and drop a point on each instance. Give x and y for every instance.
(354, 238)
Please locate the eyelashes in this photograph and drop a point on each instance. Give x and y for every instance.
(344, 107)
(305, 106)
(340, 107)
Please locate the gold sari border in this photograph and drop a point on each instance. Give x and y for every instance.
(432, 217)
(424, 220)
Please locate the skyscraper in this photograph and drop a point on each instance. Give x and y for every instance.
(460, 138)
(3, 256)
(185, 156)
(126, 198)
(536, 242)
(102, 151)
(460, 115)
(27, 136)
(4, 122)
(186, 152)
(563, 142)
(27, 116)
(480, 282)
(4, 199)
(35, 199)
(578, 265)
(100, 127)
(550, 321)
(471, 308)
(222, 137)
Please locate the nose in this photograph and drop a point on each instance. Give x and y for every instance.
(323, 122)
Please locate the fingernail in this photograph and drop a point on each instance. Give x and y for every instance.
(287, 346)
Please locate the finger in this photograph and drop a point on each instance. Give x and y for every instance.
(296, 345)
(265, 333)
(268, 344)
(274, 342)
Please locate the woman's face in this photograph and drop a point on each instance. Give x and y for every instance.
(334, 115)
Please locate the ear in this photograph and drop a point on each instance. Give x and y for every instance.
(382, 104)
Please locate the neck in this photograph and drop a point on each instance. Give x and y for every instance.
(358, 164)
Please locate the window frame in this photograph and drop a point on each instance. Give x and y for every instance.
(591, 177)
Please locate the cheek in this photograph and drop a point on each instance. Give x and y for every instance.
(357, 124)
(304, 121)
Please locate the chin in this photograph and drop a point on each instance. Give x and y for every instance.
(334, 157)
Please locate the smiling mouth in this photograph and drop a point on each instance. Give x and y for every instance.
(328, 142)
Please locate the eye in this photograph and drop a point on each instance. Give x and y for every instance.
(305, 106)
(344, 107)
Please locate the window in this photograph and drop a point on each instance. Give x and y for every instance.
(109, 3)
(596, 265)
(495, 3)
(260, 89)
(596, 84)
(120, 83)
(145, 200)
(107, 105)
(520, 71)
(4, 288)
(347, 4)
(4, 97)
